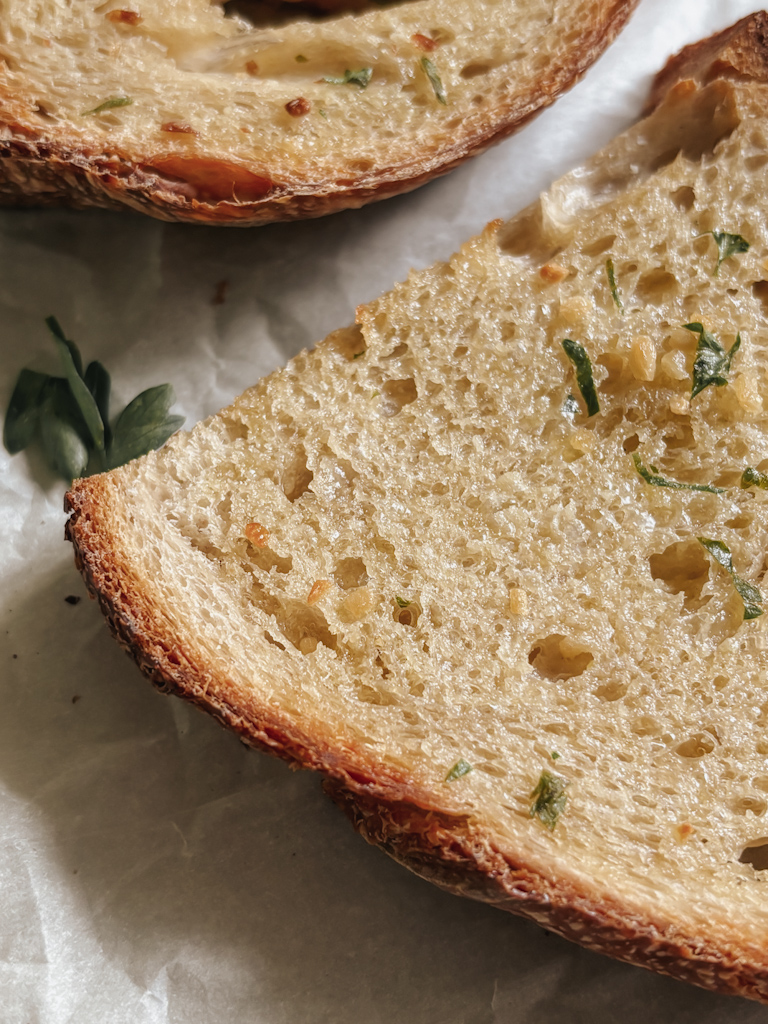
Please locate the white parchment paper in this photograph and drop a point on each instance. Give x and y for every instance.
(151, 869)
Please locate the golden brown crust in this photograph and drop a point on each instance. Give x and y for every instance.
(41, 169)
(740, 51)
(463, 860)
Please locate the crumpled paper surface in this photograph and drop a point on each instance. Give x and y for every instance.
(152, 870)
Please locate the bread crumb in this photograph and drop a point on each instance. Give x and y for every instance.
(680, 405)
(673, 364)
(257, 534)
(553, 273)
(307, 644)
(575, 309)
(318, 591)
(518, 602)
(642, 358)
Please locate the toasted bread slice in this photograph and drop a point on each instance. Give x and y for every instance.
(521, 637)
(178, 110)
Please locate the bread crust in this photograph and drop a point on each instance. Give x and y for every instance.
(50, 167)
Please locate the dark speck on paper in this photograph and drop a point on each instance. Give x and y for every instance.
(73, 599)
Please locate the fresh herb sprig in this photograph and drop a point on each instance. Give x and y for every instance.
(583, 365)
(712, 364)
(360, 78)
(748, 593)
(727, 246)
(435, 80)
(549, 799)
(651, 476)
(69, 416)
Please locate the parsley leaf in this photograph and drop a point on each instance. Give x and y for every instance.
(581, 361)
(360, 78)
(614, 287)
(402, 602)
(713, 363)
(461, 767)
(727, 246)
(110, 104)
(753, 478)
(651, 476)
(549, 799)
(748, 593)
(435, 80)
(68, 416)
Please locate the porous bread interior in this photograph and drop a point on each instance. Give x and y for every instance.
(187, 63)
(557, 602)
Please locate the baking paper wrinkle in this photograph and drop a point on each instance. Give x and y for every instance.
(152, 870)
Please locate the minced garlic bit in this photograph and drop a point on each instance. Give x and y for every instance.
(642, 358)
(553, 273)
(518, 602)
(357, 603)
(319, 589)
(748, 393)
(575, 309)
(257, 534)
(680, 405)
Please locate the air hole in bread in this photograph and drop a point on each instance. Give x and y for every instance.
(347, 341)
(760, 292)
(266, 559)
(631, 443)
(272, 640)
(303, 626)
(475, 70)
(754, 163)
(599, 246)
(559, 657)
(697, 745)
(684, 198)
(459, 351)
(407, 615)
(296, 476)
(272, 13)
(655, 287)
(612, 690)
(351, 573)
(756, 854)
(683, 568)
(645, 725)
(749, 805)
(738, 523)
(396, 394)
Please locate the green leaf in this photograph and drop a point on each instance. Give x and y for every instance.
(727, 246)
(614, 287)
(652, 477)
(23, 415)
(402, 602)
(73, 368)
(712, 364)
(301, 59)
(581, 361)
(110, 104)
(554, 755)
(143, 425)
(98, 382)
(549, 798)
(62, 430)
(461, 767)
(361, 78)
(435, 80)
(753, 478)
(748, 593)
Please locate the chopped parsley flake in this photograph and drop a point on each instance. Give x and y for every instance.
(727, 246)
(614, 287)
(748, 593)
(713, 363)
(753, 478)
(402, 602)
(110, 104)
(435, 80)
(461, 767)
(581, 361)
(549, 798)
(360, 78)
(651, 476)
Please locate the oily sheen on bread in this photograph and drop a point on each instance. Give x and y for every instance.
(521, 638)
(186, 110)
